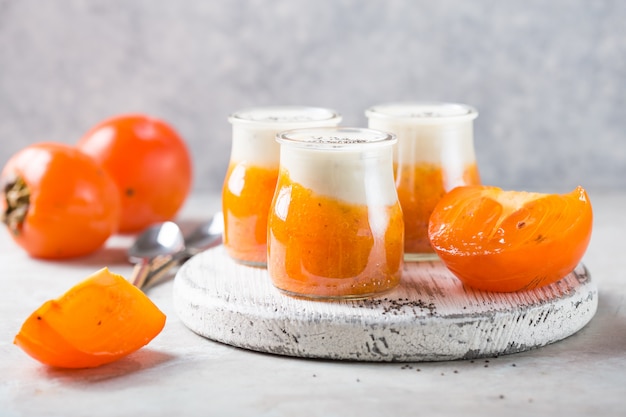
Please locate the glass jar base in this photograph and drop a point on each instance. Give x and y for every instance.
(247, 258)
(421, 257)
(253, 264)
(329, 298)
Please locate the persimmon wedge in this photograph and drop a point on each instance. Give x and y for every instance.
(506, 241)
(98, 321)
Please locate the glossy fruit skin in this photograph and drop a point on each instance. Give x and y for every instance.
(506, 241)
(149, 162)
(98, 321)
(73, 206)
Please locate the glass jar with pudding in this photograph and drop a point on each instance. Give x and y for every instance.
(434, 154)
(253, 171)
(335, 226)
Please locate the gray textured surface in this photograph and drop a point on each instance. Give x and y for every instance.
(547, 77)
(182, 374)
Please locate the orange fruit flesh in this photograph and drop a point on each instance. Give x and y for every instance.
(511, 240)
(97, 321)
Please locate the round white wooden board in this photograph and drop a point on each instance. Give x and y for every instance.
(430, 316)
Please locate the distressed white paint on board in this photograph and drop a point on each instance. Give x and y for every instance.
(431, 316)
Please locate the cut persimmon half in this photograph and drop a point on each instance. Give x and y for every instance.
(505, 241)
(98, 321)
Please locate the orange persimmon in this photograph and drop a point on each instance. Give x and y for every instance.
(149, 162)
(506, 241)
(98, 321)
(58, 202)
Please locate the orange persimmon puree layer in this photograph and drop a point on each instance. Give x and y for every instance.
(246, 198)
(420, 187)
(321, 247)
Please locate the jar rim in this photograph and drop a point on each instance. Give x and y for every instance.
(336, 138)
(287, 116)
(423, 112)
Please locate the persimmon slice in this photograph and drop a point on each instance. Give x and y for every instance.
(98, 321)
(507, 241)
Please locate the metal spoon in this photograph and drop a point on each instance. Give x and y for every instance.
(205, 236)
(163, 239)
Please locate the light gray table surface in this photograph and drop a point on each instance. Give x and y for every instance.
(180, 373)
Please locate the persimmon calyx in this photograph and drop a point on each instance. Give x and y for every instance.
(17, 197)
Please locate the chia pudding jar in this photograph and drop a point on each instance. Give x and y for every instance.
(433, 155)
(335, 228)
(252, 173)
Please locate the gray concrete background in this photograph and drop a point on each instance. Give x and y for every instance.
(548, 77)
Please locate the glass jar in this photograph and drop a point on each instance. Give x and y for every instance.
(335, 226)
(252, 173)
(434, 154)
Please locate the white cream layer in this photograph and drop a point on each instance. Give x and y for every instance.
(254, 130)
(432, 133)
(355, 177)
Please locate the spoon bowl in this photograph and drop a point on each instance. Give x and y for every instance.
(203, 237)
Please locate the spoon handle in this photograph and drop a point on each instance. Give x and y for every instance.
(158, 271)
(140, 273)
